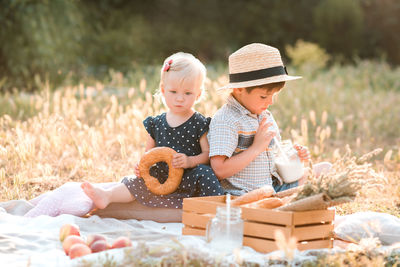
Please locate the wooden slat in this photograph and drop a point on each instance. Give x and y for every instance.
(186, 230)
(267, 246)
(203, 204)
(195, 219)
(260, 245)
(313, 232)
(315, 244)
(264, 230)
(268, 216)
(313, 216)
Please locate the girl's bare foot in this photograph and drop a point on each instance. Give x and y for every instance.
(98, 195)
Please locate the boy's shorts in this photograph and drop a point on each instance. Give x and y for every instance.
(282, 187)
(231, 189)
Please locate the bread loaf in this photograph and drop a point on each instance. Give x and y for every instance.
(266, 203)
(254, 195)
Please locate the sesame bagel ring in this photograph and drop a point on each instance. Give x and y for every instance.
(159, 154)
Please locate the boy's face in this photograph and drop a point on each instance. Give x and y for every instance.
(257, 101)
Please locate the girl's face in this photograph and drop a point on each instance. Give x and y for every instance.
(257, 101)
(180, 96)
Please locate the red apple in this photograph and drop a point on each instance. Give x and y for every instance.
(69, 229)
(99, 245)
(79, 250)
(121, 242)
(71, 240)
(93, 238)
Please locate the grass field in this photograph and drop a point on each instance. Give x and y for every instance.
(94, 131)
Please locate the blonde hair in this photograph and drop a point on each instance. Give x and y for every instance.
(186, 67)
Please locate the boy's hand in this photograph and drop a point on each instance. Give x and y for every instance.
(263, 137)
(303, 152)
(137, 171)
(180, 160)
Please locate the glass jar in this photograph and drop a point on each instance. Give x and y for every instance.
(225, 230)
(287, 162)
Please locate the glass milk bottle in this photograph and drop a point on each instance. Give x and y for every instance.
(225, 230)
(287, 162)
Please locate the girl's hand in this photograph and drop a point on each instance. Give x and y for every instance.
(303, 152)
(263, 137)
(137, 171)
(180, 160)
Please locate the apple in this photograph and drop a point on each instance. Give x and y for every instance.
(93, 238)
(69, 229)
(71, 240)
(99, 245)
(121, 242)
(79, 250)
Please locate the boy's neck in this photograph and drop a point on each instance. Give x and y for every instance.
(240, 102)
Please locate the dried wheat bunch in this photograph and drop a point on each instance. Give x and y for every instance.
(345, 179)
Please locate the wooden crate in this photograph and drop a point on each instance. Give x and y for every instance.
(313, 229)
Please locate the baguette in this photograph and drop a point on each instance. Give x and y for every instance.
(288, 199)
(254, 195)
(266, 203)
(289, 192)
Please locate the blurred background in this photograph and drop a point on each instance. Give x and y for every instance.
(67, 41)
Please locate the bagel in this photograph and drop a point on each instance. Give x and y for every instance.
(159, 154)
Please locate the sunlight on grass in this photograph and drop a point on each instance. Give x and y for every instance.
(95, 132)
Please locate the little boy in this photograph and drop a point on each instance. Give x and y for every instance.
(241, 132)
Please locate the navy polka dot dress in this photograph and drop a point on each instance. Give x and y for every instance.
(197, 181)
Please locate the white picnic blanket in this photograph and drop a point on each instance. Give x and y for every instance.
(35, 241)
(27, 241)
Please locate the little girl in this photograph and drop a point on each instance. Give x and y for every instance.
(181, 128)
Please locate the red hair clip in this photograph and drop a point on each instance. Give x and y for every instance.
(167, 65)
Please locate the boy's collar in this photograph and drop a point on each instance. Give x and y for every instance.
(235, 104)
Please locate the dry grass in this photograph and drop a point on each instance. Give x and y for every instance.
(345, 179)
(95, 132)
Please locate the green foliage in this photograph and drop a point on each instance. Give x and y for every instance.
(115, 38)
(64, 41)
(17, 105)
(307, 57)
(40, 40)
(339, 26)
(382, 21)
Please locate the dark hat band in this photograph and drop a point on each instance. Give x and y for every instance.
(257, 74)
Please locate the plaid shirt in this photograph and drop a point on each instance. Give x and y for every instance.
(232, 130)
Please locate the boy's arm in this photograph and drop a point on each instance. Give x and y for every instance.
(225, 167)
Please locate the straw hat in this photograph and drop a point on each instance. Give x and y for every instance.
(256, 64)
